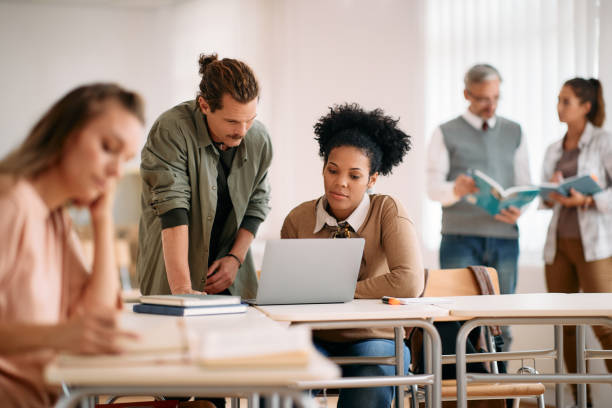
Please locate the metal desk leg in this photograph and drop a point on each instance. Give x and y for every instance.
(581, 363)
(272, 401)
(399, 365)
(461, 365)
(253, 401)
(435, 346)
(559, 368)
(427, 366)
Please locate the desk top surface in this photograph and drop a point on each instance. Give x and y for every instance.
(190, 374)
(358, 309)
(532, 305)
(171, 369)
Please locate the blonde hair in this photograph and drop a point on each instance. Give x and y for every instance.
(45, 143)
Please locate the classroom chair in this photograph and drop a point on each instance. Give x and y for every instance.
(465, 282)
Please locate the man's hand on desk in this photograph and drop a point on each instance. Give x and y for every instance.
(221, 274)
(90, 333)
(186, 290)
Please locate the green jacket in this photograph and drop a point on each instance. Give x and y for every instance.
(179, 170)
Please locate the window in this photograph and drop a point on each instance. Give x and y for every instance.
(536, 45)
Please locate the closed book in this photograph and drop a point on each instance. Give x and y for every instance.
(189, 310)
(190, 300)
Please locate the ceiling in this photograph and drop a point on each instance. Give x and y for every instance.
(104, 3)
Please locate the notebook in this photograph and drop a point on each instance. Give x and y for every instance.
(190, 300)
(297, 271)
(189, 310)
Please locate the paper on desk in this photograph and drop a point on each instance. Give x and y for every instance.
(278, 346)
(164, 342)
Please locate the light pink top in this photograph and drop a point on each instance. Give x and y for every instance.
(42, 274)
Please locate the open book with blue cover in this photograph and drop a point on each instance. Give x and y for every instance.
(586, 184)
(492, 197)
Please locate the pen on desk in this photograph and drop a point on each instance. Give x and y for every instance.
(391, 300)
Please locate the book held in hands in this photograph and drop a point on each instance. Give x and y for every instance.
(493, 198)
(585, 184)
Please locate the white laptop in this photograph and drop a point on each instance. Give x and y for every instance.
(296, 271)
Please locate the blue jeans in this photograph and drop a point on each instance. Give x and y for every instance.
(459, 251)
(364, 397)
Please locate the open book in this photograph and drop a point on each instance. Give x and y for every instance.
(162, 342)
(171, 341)
(586, 184)
(280, 346)
(492, 197)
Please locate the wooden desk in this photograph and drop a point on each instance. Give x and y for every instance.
(188, 378)
(534, 309)
(373, 313)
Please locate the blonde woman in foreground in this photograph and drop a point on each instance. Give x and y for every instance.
(49, 301)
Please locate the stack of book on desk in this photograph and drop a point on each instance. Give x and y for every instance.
(190, 305)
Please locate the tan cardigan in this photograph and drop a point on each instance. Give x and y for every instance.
(391, 263)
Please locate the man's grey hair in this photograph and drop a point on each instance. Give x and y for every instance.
(480, 73)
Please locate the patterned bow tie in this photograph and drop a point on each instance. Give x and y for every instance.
(343, 230)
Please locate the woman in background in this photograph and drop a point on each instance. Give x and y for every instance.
(357, 146)
(578, 250)
(49, 301)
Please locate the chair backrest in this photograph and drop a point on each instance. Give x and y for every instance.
(456, 282)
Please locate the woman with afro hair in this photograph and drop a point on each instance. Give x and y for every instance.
(357, 146)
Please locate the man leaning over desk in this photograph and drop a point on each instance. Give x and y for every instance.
(205, 187)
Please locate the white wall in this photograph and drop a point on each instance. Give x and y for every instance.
(49, 49)
(307, 55)
(342, 51)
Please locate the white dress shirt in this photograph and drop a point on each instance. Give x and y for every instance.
(355, 220)
(442, 190)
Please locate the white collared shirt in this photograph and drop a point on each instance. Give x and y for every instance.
(438, 164)
(355, 220)
(595, 158)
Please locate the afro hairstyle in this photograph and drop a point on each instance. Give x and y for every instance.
(375, 133)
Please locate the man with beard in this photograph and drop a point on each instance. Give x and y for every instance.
(205, 187)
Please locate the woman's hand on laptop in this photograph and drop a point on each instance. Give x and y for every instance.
(221, 274)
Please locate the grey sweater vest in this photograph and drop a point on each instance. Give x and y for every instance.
(491, 152)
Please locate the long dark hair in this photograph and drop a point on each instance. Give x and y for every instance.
(589, 90)
(45, 143)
